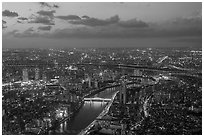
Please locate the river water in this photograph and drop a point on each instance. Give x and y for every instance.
(87, 113)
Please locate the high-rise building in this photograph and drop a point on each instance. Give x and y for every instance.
(37, 73)
(44, 77)
(88, 79)
(55, 63)
(89, 82)
(96, 84)
(25, 74)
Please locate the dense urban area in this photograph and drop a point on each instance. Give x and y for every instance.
(154, 90)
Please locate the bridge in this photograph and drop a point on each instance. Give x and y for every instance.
(97, 99)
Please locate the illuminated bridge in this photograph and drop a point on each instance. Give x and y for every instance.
(97, 99)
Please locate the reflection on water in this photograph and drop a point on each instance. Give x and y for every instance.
(88, 113)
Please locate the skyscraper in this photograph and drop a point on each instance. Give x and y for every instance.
(25, 74)
(55, 64)
(44, 77)
(37, 73)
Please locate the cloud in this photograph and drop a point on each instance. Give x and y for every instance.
(27, 33)
(3, 24)
(96, 22)
(19, 21)
(49, 14)
(56, 6)
(22, 18)
(43, 17)
(133, 24)
(3, 27)
(8, 13)
(45, 28)
(112, 31)
(69, 17)
(113, 28)
(85, 17)
(139, 29)
(42, 20)
(29, 29)
(45, 4)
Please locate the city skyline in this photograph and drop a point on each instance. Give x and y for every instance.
(104, 68)
(101, 24)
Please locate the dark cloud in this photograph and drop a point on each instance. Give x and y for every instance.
(69, 17)
(56, 6)
(139, 29)
(113, 28)
(112, 31)
(85, 17)
(3, 26)
(18, 21)
(49, 14)
(45, 28)
(3, 22)
(115, 31)
(45, 4)
(42, 20)
(8, 13)
(43, 17)
(22, 18)
(29, 29)
(133, 24)
(96, 22)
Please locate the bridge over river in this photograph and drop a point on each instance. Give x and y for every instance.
(87, 114)
(97, 99)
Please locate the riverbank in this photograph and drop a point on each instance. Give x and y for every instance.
(102, 114)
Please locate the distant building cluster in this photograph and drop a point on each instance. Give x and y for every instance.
(158, 89)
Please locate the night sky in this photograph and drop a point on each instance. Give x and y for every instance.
(112, 24)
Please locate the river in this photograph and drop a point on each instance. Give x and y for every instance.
(87, 113)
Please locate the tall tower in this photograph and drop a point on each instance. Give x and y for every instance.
(37, 75)
(25, 74)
